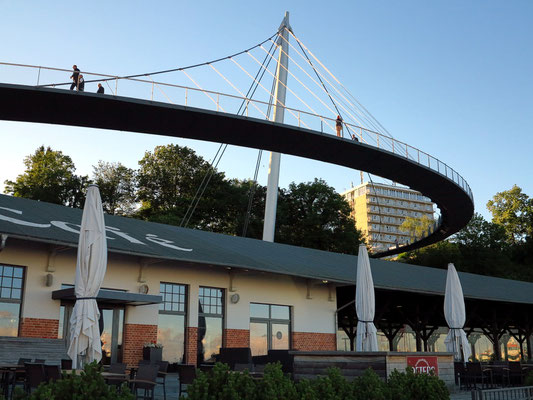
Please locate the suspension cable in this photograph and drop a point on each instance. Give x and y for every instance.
(333, 76)
(172, 69)
(361, 113)
(212, 166)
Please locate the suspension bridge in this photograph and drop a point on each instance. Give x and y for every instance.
(165, 103)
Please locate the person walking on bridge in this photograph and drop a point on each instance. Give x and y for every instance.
(338, 125)
(81, 83)
(75, 77)
(100, 89)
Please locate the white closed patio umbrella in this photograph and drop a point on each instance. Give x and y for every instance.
(91, 266)
(454, 312)
(365, 305)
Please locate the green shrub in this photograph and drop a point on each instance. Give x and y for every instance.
(408, 386)
(88, 385)
(275, 385)
(221, 384)
(333, 386)
(370, 387)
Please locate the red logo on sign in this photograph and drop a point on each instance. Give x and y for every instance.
(424, 365)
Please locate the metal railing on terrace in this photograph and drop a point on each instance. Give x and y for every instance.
(148, 89)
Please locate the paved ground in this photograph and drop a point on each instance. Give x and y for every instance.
(171, 385)
(462, 395)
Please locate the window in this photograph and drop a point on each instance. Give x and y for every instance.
(172, 317)
(210, 323)
(269, 328)
(11, 282)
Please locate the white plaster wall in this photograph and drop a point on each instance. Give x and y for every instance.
(308, 315)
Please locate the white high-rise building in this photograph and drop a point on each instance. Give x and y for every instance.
(380, 209)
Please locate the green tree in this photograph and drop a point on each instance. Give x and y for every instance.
(513, 210)
(49, 176)
(416, 227)
(117, 187)
(314, 215)
(169, 178)
(481, 234)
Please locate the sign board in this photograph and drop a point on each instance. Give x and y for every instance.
(424, 364)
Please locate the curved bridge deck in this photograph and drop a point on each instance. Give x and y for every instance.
(56, 106)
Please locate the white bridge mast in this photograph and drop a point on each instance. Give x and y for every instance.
(271, 202)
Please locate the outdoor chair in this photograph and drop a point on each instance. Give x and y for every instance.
(478, 374)
(66, 364)
(235, 355)
(35, 375)
(516, 372)
(18, 376)
(145, 380)
(162, 376)
(460, 374)
(187, 375)
(286, 360)
(52, 372)
(500, 372)
(243, 367)
(117, 368)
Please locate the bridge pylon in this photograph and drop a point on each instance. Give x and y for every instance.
(280, 90)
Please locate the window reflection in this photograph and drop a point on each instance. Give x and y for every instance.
(171, 325)
(210, 323)
(11, 278)
(269, 328)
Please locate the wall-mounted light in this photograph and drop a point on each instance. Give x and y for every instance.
(234, 298)
(49, 280)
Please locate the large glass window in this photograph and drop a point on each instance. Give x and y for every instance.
(269, 328)
(210, 323)
(172, 317)
(11, 283)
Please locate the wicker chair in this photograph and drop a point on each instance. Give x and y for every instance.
(145, 380)
(187, 374)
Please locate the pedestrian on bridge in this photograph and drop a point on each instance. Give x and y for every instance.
(100, 89)
(75, 77)
(81, 83)
(338, 125)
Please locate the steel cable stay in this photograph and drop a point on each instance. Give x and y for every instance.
(221, 150)
(266, 90)
(342, 86)
(316, 83)
(292, 92)
(356, 119)
(256, 172)
(362, 113)
(362, 117)
(380, 213)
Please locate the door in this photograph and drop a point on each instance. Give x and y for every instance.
(111, 328)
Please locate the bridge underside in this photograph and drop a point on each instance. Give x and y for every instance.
(62, 107)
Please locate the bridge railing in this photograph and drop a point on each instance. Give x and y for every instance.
(149, 89)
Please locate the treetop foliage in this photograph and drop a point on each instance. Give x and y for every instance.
(168, 188)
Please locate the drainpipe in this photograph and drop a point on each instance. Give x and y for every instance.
(3, 239)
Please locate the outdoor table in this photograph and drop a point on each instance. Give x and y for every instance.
(5, 372)
(207, 368)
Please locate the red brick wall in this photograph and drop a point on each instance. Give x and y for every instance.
(309, 341)
(39, 328)
(236, 338)
(191, 345)
(135, 336)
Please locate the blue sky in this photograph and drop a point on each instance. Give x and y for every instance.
(453, 78)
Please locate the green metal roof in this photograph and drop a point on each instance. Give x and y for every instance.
(49, 223)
